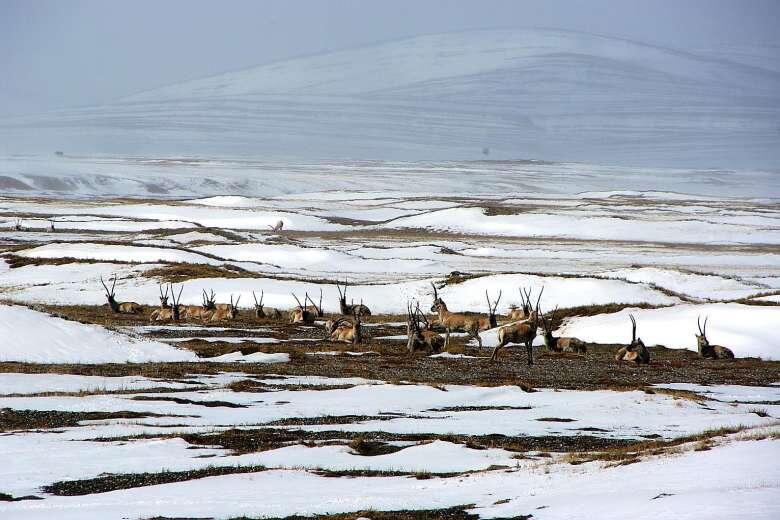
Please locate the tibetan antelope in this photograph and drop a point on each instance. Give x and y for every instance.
(352, 308)
(520, 332)
(636, 351)
(51, 226)
(301, 314)
(421, 337)
(171, 312)
(710, 351)
(223, 313)
(264, 312)
(198, 312)
(163, 304)
(490, 322)
(347, 331)
(554, 344)
(454, 322)
(18, 225)
(278, 227)
(117, 307)
(317, 309)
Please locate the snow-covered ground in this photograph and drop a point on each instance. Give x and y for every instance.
(496, 481)
(747, 330)
(35, 337)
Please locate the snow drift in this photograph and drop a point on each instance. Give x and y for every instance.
(34, 337)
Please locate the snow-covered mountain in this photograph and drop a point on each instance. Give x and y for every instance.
(517, 93)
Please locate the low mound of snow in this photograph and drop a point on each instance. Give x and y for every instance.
(748, 330)
(92, 251)
(35, 337)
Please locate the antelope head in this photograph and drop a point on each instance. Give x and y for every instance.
(110, 294)
(163, 297)
(635, 341)
(492, 308)
(701, 337)
(209, 300)
(176, 302)
(259, 305)
(234, 307)
(438, 303)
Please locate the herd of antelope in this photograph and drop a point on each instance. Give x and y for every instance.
(520, 327)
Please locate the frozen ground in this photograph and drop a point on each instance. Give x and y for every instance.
(497, 481)
(280, 421)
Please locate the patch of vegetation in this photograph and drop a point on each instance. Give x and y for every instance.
(367, 448)
(107, 483)
(178, 273)
(452, 513)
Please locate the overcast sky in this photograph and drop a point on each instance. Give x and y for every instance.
(83, 52)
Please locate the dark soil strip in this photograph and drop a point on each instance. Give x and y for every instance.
(181, 400)
(132, 480)
(5, 497)
(46, 419)
(452, 513)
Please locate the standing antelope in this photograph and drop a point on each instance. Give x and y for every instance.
(173, 311)
(301, 314)
(636, 351)
(520, 332)
(347, 331)
(116, 307)
(421, 338)
(560, 344)
(18, 225)
(198, 312)
(352, 308)
(51, 226)
(454, 322)
(264, 312)
(223, 313)
(163, 304)
(710, 351)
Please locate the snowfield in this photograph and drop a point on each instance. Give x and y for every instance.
(35, 337)
(747, 330)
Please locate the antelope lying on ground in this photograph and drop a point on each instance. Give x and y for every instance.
(163, 304)
(316, 309)
(347, 331)
(454, 322)
(421, 338)
(710, 351)
(301, 314)
(117, 307)
(222, 313)
(490, 322)
(560, 344)
(198, 312)
(351, 309)
(520, 332)
(264, 312)
(171, 312)
(636, 351)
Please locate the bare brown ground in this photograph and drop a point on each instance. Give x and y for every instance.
(391, 362)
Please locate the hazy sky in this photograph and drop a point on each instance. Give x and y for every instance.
(82, 52)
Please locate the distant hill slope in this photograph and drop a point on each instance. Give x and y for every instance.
(512, 93)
